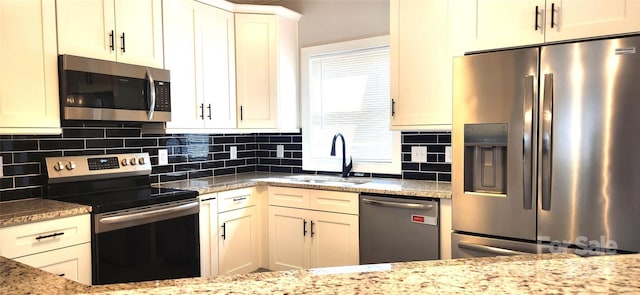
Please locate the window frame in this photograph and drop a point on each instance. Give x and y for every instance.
(335, 163)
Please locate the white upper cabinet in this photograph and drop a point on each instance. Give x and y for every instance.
(490, 24)
(421, 65)
(503, 23)
(29, 102)
(117, 30)
(266, 70)
(199, 52)
(574, 19)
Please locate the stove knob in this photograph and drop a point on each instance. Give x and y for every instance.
(58, 166)
(141, 161)
(71, 165)
(133, 161)
(124, 162)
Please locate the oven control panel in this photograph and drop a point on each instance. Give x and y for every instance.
(97, 167)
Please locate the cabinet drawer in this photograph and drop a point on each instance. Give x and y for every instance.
(289, 197)
(31, 238)
(240, 198)
(332, 201)
(73, 262)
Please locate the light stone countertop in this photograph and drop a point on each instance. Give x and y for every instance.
(525, 274)
(400, 187)
(33, 210)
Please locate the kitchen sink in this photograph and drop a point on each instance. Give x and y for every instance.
(327, 180)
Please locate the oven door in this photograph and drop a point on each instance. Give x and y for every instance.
(151, 243)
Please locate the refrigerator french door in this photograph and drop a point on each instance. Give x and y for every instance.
(544, 144)
(492, 144)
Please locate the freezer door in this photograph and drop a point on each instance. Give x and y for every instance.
(494, 135)
(467, 246)
(589, 163)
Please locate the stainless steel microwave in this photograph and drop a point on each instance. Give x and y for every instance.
(92, 89)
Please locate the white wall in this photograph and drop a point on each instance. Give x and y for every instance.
(328, 21)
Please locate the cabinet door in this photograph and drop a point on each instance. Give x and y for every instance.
(208, 236)
(334, 239)
(288, 238)
(503, 23)
(30, 238)
(180, 34)
(139, 32)
(421, 62)
(86, 28)
(573, 19)
(29, 100)
(217, 66)
(73, 263)
(256, 70)
(238, 242)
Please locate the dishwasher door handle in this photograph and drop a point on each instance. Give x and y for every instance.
(490, 249)
(397, 205)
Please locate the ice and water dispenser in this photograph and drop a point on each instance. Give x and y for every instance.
(485, 158)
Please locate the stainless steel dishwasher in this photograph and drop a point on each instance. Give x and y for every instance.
(395, 229)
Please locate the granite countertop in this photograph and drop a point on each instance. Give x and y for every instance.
(34, 210)
(401, 187)
(525, 274)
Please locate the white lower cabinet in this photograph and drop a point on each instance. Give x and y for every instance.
(306, 237)
(238, 241)
(238, 231)
(61, 246)
(208, 235)
(73, 262)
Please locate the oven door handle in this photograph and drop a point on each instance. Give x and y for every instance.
(147, 214)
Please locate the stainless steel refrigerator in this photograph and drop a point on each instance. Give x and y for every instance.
(546, 149)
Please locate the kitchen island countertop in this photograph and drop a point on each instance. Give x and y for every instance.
(526, 274)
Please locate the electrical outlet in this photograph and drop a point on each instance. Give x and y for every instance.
(234, 152)
(419, 154)
(447, 154)
(163, 157)
(280, 151)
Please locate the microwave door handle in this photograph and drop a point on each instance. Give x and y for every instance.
(152, 94)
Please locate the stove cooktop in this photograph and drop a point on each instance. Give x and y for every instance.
(130, 198)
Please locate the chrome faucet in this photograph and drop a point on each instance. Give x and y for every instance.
(345, 168)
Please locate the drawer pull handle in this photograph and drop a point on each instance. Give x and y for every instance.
(239, 199)
(53, 235)
(61, 275)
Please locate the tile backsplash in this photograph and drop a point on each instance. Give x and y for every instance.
(190, 155)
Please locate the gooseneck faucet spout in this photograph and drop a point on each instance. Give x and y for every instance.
(345, 168)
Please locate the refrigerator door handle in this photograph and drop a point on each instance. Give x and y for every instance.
(490, 249)
(526, 142)
(547, 137)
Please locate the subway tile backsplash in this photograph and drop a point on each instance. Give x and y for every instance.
(190, 155)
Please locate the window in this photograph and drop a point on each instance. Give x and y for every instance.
(345, 89)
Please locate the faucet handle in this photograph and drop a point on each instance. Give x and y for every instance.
(347, 168)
